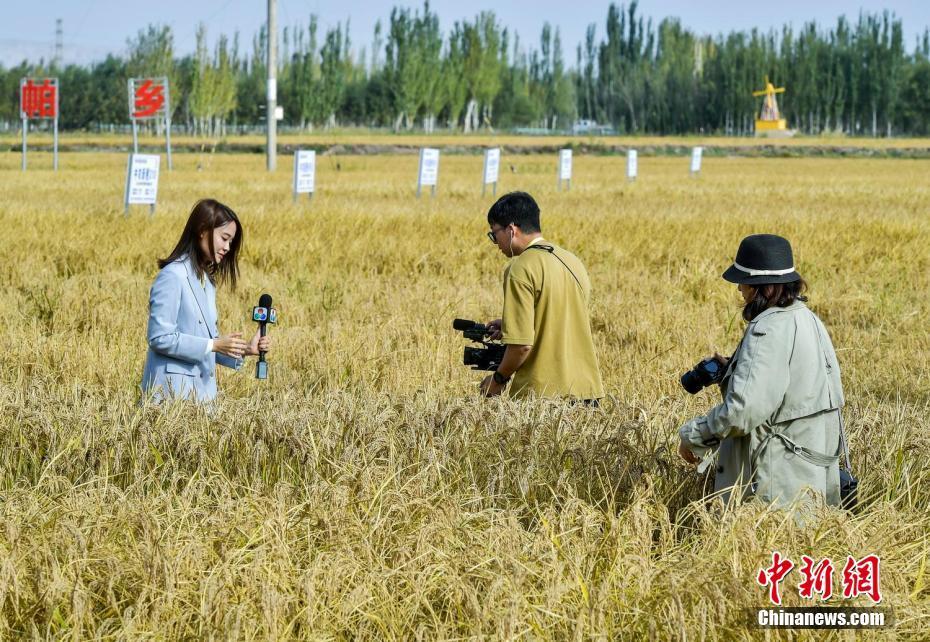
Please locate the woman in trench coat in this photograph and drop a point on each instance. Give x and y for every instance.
(185, 344)
(775, 436)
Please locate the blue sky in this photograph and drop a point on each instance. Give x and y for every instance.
(93, 28)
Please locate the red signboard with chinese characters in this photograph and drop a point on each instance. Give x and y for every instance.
(148, 98)
(38, 98)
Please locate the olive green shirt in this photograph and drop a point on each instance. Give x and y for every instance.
(546, 297)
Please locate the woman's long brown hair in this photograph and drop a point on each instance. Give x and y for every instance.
(770, 295)
(206, 216)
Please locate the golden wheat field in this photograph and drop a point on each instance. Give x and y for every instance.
(364, 491)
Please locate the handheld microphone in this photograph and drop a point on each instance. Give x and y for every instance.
(263, 314)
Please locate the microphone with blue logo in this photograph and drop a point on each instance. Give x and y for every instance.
(263, 314)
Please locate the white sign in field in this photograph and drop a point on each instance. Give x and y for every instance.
(429, 169)
(565, 167)
(492, 165)
(565, 164)
(142, 180)
(492, 168)
(632, 164)
(304, 172)
(696, 154)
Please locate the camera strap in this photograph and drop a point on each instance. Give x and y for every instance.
(844, 445)
(551, 250)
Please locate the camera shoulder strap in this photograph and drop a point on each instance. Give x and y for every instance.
(844, 444)
(551, 250)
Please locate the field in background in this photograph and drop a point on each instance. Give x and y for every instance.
(386, 141)
(363, 490)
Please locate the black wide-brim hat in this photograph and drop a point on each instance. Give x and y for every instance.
(763, 259)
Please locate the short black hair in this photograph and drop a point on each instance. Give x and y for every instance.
(518, 208)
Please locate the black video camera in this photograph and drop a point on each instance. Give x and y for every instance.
(707, 372)
(487, 357)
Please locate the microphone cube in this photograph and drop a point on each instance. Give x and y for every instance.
(261, 370)
(264, 315)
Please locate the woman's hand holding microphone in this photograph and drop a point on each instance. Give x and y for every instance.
(258, 344)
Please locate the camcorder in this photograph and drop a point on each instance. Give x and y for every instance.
(487, 357)
(707, 372)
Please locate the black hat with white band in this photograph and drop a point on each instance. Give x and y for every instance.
(761, 259)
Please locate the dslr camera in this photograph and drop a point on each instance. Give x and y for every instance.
(487, 357)
(707, 372)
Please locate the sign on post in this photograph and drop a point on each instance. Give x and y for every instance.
(149, 99)
(565, 168)
(429, 170)
(38, 99)
(696, 154)
(632, 165)
(142, 181)
(304, 172)
(492, 168)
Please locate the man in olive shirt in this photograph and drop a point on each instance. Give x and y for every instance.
(545, 324)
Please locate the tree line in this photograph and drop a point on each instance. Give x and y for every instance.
(856, 77)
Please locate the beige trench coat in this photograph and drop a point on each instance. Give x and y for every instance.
(777, 430)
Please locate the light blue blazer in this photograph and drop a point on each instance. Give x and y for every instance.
(182, 320)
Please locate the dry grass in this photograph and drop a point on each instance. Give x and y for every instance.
(363, 491)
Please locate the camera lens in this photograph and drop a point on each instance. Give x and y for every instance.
(691, 382)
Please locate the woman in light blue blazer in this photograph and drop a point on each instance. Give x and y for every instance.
(184, 338)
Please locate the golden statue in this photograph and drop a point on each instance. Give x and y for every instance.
(770, 122)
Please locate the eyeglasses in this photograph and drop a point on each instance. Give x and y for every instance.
(493, 234)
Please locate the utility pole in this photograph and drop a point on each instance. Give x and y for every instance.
(272, 142)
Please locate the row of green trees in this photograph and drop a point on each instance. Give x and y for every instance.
(855, 77)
